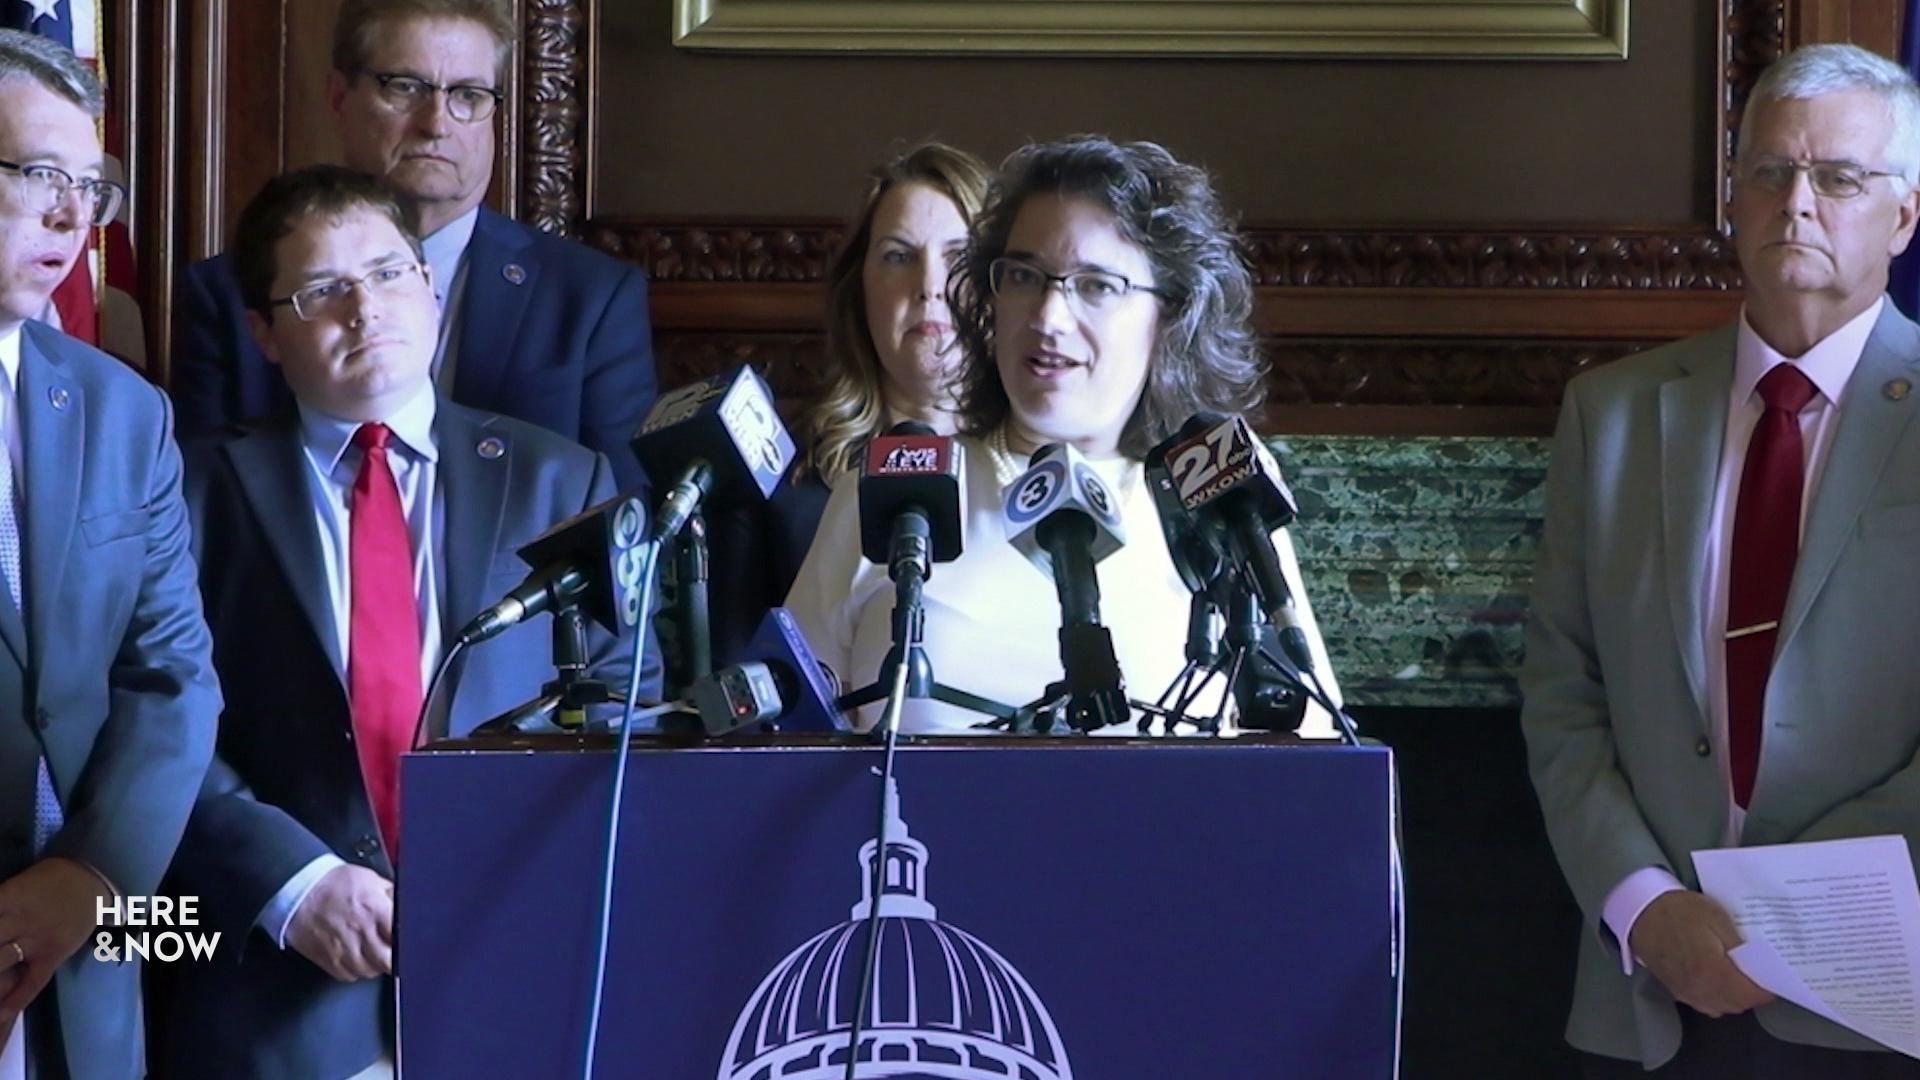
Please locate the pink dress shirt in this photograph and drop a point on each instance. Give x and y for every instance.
(1829, 364)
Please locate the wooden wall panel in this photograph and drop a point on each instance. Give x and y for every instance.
(1417, 326)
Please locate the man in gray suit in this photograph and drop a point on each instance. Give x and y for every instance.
(1707, 665)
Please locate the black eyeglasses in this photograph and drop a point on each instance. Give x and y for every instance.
(468, 103)
(47, 189)
(1091, 290)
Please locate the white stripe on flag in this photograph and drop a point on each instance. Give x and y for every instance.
(86, 18)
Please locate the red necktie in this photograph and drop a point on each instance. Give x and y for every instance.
(383, 636)
(1766, 540)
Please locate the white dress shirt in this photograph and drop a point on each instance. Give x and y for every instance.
(1829, 364)
(993, 619)
(446, 252)
(332, 464)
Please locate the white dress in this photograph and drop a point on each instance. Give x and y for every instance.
(993, 618)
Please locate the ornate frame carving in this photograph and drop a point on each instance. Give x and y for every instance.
(1533, 29)
(1434, 309)
(554, 195)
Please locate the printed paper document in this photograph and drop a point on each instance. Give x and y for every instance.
(1832, 926)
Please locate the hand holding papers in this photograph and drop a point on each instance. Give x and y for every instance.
(1832, 926)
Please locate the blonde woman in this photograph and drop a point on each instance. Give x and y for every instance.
(891, 355)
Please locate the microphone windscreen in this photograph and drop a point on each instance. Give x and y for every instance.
(1197, 553)
(728, 421)
(1215, 460)
(1060, 481)
(910, 466)
(605, 543)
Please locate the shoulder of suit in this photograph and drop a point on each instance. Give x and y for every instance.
(568, 254)
(524, 440)
(1658, 364)
(96, 370)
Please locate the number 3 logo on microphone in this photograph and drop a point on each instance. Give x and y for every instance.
(1034, 493)
(1094, 493)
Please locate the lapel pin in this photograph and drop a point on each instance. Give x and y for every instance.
(1897, 389)
(491, 448)
(514, 273)
(58, 396)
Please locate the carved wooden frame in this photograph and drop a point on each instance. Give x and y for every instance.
(1373, 316)
(1532, 29)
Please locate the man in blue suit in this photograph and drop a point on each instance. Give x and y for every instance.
(538, 328)
(341, 550)
(107, 697)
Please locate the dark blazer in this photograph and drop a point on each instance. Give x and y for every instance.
(551, 332)
(285, 787)
(108, 676)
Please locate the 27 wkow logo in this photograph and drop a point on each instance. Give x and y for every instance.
(131, 927)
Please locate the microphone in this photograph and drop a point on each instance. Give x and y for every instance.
(910, 501)
(719, 437)
(592, 559)
(1223, 474)
(774, 678)
(1061, 516)
(1195, 547)
(1197, 557)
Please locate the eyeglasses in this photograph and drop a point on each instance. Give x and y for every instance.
(468, 103)
(1019, 281)
(47, 189)
(1830, 179)
(329, 299)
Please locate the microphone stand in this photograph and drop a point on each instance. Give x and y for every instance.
(1091, 693)
(686, 639)
(1263, 690)
(907, 651)
(1205, 658)
(563, 700)
(690, 571)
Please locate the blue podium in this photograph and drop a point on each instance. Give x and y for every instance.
(1052, 908)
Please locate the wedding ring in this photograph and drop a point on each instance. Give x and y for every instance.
(19, 954)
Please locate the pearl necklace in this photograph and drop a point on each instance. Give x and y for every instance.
(1007, 466)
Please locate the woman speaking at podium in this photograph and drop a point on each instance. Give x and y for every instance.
(1101, 301)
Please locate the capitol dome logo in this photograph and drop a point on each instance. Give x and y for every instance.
(944, 1004)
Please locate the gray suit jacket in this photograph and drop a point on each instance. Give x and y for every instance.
(1615, 713)
(108, 676)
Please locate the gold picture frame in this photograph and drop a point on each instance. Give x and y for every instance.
(1487, 29)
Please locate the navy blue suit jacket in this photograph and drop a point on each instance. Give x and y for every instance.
(108, 675)
(551, 332)
(285, 786)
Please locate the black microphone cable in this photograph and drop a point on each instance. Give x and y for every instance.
(890, 733)
(433, 687)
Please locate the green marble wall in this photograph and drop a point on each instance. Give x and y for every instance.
(1418, 553)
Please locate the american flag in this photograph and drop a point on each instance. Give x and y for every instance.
(95, 303)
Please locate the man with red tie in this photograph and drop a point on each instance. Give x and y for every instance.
(1721, 645)
(340, 550)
